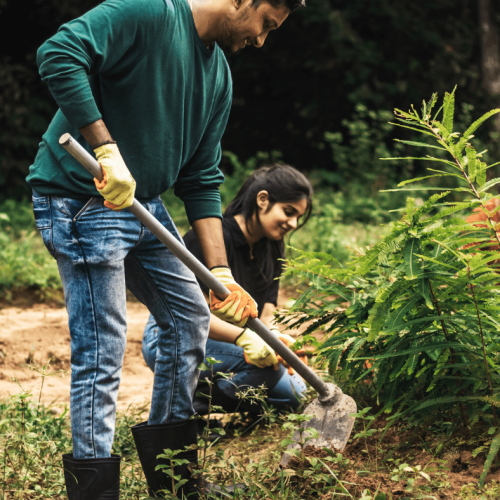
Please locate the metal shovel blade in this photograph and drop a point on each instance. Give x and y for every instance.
(332, 422)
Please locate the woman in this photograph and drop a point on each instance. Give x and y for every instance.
(272, 202)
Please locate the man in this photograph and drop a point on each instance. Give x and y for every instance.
(144, 84)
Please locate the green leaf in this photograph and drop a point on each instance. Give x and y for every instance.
(417, 179)
(424, 289)
(421, 144)
(428, 158)
(471, 162)
(313, 433)
(413, 128)
(449, 110)
(412, 267)
(200, 394)
(398, 318)
(495, 446)
(414, 350)
(443, 131)
(490, 184)
(212, 361)
(481, 174)
(465, 138)
(423, 188)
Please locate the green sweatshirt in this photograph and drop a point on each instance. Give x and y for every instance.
(141, 66)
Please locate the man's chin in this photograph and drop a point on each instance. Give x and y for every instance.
(229, 46)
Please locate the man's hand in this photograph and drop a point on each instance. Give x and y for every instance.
(118, 185)
(256, 351)
(238, 306)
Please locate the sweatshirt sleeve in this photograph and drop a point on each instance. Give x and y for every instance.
(93, 44)
(198, 182)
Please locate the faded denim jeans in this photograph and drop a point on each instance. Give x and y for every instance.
(284, 390)
(100, 253)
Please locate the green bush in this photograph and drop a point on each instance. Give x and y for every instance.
(24, 261)
(418, 313)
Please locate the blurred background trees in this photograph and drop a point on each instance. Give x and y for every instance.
(320, 91)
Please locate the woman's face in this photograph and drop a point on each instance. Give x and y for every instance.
(280, 218)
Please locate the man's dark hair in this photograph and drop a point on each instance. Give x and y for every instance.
(291, 4)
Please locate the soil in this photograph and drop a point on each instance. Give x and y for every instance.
(36, 333)
(39, 333)
(454, 469)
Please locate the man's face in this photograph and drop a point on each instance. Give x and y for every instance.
(246, 24)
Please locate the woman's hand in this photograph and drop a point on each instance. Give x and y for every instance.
(289, 341)
(256, 351)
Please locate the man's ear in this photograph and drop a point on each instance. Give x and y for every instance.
(237, 4)
(263, 199)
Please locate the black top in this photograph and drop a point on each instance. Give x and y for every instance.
(245, 270)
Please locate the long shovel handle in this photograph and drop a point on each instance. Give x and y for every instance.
(85, 158)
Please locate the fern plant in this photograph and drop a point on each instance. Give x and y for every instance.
(418, 314)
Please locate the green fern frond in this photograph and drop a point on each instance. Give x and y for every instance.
(421, 130)
(471, 162)
(467, 134)
(449, 110)
(419, 144)
(488, 184)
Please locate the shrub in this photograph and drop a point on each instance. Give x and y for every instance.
(417, 315)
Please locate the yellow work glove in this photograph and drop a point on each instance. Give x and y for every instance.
(256, 351)
(117, 185)
(238, 306)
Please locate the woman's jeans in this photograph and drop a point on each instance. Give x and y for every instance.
(284, 390)
(100, 253)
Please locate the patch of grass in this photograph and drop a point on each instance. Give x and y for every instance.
(397, 464)
(24, 261)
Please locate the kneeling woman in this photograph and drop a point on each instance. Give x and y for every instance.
(272, 202)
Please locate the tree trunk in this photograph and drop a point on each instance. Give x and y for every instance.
(490, 52)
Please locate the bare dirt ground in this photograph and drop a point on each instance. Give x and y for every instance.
(40, 332)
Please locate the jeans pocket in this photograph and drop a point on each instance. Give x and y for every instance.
(77, 208)
(43, 220)
(42, 211)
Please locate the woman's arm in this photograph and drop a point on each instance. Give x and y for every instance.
(222, 331)
(267, 316)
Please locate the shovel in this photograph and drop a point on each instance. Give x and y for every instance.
(330, 410)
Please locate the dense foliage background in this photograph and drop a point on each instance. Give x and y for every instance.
(310, 78)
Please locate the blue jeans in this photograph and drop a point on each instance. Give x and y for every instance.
(284, 390)
(100, 253)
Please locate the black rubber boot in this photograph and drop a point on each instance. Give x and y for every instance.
(151, 440)
(92, 478)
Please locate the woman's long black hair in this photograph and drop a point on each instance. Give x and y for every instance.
(284, 184)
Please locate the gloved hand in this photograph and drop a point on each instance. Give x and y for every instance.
(256, 351)
(118, 185)
(238, 306)
(289, 341)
